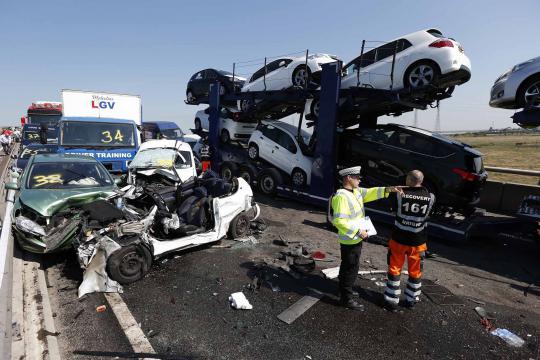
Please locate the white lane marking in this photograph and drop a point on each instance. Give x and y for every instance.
(301, 306)
(139, 342)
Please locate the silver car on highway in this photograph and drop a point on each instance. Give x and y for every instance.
(519, 87)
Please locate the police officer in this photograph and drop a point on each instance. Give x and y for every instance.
(347, 214)
(412, 206)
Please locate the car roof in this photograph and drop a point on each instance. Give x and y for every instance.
(98, 120)
(47, 158)
(438, 137)
(291, 129)
(164, 143)
(163, 124)
(418, 36)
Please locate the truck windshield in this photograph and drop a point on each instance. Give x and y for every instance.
(33, 135)
(40, 118)
(172, 133)
(97, 134)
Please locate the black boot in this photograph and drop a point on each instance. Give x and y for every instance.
(351, 304)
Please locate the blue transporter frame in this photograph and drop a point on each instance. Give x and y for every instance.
(115, 158)
(324, 167)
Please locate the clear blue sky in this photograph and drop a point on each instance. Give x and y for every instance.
(151, 48)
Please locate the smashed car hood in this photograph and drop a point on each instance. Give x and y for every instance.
(185, 174)
(47, 203)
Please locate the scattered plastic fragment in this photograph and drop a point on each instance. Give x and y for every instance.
(508, 336)
(318, 255)
(239, 301)
(380, 283)
(101, 308)
(481, 311)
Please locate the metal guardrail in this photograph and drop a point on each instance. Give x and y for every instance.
(513, 171)
(6, 262)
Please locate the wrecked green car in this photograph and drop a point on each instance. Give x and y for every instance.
(52, 190)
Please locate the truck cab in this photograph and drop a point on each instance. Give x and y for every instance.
(156, 130)
(113, 142)
(31, 134)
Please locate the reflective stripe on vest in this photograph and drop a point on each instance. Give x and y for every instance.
(414, 224)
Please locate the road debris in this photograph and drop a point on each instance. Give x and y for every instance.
(509, 337)
(101, 308)
(239, 301)
(301, 306)
(476, 301)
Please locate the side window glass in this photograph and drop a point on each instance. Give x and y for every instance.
(286, 141)
(271, 132)
(386, 50)
(198, 76)
(257, 74)
(210, 74)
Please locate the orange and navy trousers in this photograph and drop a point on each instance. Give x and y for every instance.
(396, 258)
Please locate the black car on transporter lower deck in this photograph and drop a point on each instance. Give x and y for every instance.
(453, 171)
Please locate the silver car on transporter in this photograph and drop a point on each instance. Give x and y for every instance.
(519, 87)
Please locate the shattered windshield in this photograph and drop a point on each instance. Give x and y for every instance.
(97, 134)
(62, 175)
(172, 133)
(161, 158)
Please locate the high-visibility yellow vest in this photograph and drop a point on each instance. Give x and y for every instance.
(348, 209)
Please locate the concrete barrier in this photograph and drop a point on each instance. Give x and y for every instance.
(503, 197)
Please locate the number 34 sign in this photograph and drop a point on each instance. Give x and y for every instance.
(108, 137)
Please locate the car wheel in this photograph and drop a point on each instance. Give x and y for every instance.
(129, 263)
(198, 125)
(269, 180)
(422, 73)
(189, 96)
(253, 151)
(246, 105)
(227, 171)
(314, 108)
(247, 173)
(225, 137)
(301, 76)
(529, 93)
(298, 177)
(239, 226)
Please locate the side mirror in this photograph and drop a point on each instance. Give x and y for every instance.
(12, 186)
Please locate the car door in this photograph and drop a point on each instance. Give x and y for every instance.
(380, 72)
(277, 77)
(355, 74)
(285, 152)
(268, 142)
(197, 85)
(210, 76)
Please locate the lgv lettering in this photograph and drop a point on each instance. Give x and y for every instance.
(103, 105)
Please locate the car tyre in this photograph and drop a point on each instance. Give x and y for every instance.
(225, 137)
(198, 125)
(239, 226)
(129, 263)
(253, 151)
(526, 92)
(189, 96)
(228, 170)
(314, 108)
(247, 173)
(421, 73)
(246, 105)
(298, 177)
(301, 76)
(269, 180)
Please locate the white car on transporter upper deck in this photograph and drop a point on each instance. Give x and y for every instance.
(286, 72)
(423, 58)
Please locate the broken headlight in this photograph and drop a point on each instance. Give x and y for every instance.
(28, 226)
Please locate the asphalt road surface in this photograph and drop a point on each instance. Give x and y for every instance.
(182, 304)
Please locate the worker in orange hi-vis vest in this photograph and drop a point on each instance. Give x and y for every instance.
(408, 240)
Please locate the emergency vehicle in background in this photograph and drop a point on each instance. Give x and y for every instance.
(102, 125)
